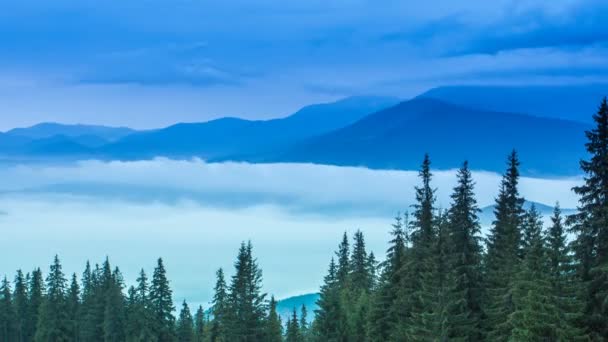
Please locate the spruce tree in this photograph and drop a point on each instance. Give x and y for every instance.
(20, 302)
(590, 224)
(329, 323)
(114, 323)
(565, 286)
(8, 319)
(465, 289)
(54, 323)
(199, 325)
(35, 297)
(419, 287)
(161, 304)
(304, 324)
(385, 308)
(503, 254)
(185, 325)
(140, 325)
(292, 333)
(73, 306)
(274, 328)
(246, 300)
(343, 255)
(219, 325)
(535, 315)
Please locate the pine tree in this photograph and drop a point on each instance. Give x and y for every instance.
(360, 277)
(385, 308)
(304, 325)
(343, 255)
(329, 323)
(199, 325)
(355, 296)
(535, 316)
(114, 323)
(54, 323)
(292, 334)
(185, 325)
(35, 294)
(274, 328)
(503, 254)
(590, 225)
(565, 286)
(73, 307)
(8, 321)
(20, 302)
(220, 322)
(140, 326)
(465, 289)
(161, 304)
(419, 287)
(246, 301)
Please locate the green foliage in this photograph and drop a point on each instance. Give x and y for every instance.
(185, 325)
(8, 321)
(590, 224)
(54, 323)
(274, 328)
(246, 300)
(503, 254)
(199, 325)
(161, 305)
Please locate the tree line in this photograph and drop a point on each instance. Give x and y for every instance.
(440, 280)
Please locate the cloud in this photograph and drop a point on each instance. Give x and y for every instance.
(302, 188)
(195, 215)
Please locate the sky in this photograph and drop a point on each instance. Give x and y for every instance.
(152, 63)
(195, 215)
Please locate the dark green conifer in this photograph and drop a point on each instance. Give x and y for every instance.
(21, 304)
(8, 319)
(185, 325)
(590, 225)
(274, 328)
(161, 304)
(219, 325)
(53, 322)
(73, 307)
(465, 289)
(292, 333)
(246, 300)
(503, 257)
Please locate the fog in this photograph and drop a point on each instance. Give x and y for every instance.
(195, 215)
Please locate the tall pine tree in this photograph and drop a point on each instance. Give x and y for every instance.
(161, 304)
(503, 254)
(465, 288)
(590, 225)
(54, 323)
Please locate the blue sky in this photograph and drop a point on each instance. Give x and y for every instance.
(150, 63)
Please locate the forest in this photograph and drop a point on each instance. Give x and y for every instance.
(440, 280)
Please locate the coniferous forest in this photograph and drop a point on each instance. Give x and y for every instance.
(440, 280)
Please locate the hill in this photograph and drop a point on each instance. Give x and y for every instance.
(570, 102)
(398, 137)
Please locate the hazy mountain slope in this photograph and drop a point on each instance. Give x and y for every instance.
(397, 138)
(573, 102)
(50, 129)
(232, 138)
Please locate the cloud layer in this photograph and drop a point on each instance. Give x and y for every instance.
(195, 215)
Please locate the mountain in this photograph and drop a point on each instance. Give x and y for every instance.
(238, 139)
(50, 129)
(571, 102)
(397, 138)
(285, 306)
